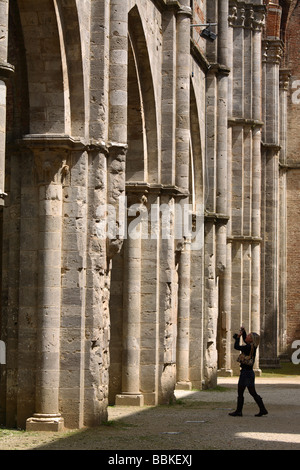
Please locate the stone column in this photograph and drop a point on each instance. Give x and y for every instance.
(168, 299)
(47, 416)
(131, 394)
(225, 365)
(270, 153)
(5, 71)
(222, 129)
(284, 87)
(222, 74)
(108, 136)
(183, 320)
(257, 24)
(182, 149)
(118, 100)
(182, 136)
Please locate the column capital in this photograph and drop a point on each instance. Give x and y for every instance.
(259, 20)
(52, 156)
(6, 71)
(185, 10)
(284, 79)
(242, 15)
(273, 51)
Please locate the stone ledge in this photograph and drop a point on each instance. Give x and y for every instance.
(183, 386)
(129, 400)
(39, 422)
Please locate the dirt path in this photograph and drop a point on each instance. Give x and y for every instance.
(198, 421)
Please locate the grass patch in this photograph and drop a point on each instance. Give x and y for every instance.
(285, 369)
(192, 404)
(118, 423)
(218, 388)
(6, 432)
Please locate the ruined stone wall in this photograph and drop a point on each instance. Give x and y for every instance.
(123, 123)
(91, 317)
(291, 171)
(58, 335)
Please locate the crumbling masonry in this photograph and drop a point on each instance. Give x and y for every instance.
(112, 111)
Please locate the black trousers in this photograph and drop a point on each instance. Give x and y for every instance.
(247, 380)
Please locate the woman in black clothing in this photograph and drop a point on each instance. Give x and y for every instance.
(247, 376)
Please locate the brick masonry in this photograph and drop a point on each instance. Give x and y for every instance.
(292, 63)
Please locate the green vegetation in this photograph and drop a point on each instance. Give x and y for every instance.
(286, 368)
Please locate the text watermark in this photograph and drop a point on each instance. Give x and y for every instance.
(296, 93)
(296, 354)
(2, 353)
(164, 221)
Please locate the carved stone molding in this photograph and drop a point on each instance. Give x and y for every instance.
(284, 79)
(242, 15)
(51, 167)
(185, 10)
(244, 239)
(6, 70)
(259, 20)
(216, 218)
(273, 51)
(51, 155)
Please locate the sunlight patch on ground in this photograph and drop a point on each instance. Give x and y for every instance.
(270, 436)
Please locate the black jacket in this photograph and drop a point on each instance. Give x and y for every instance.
(246, 349)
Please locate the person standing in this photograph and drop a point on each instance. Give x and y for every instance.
(247, 375)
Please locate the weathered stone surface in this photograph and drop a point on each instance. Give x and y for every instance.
(125, 130)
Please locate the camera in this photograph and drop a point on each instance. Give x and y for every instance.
(235, 336)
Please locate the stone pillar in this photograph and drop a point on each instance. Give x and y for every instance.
(257, 24)
(284, 80)
(118, 100)
(168, 124)
(131, 394)
(222, 127)
(5, 71)
(182, 153)
(182, 136)
(108, 135)
(168, 299)
(183, 319)
(270, 153)
(117, 130)
(47, 416)
(222, 73)
(225, 367)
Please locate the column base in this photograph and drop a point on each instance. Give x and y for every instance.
(183, 385)
(45, 422)
(129, 400)
(224, 373)
(257, 372)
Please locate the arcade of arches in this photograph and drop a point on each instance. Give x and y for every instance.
(149, 190)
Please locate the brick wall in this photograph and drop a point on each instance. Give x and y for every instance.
(293, 180)
(293, 256)
(199, 17)
(274, 12)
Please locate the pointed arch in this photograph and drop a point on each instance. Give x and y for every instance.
(196, 173)
(54, 66)
(141, 81)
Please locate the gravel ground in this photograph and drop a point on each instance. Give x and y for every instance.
(197, 421)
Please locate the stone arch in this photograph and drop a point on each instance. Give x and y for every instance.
(17, 103)
(291, 34)
(288, 9)
(196, 173)
(142, 108)
(54, 66)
